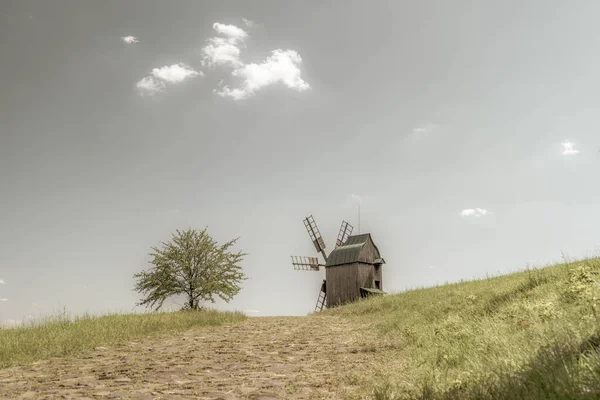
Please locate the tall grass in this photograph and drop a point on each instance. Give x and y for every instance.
(62, 335)
(533, 334)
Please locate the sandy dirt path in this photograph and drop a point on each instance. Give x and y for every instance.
(259, 358)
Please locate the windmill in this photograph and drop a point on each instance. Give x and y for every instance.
(301, 263)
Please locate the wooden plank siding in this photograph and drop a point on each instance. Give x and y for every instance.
(341, 284)
(366, 276)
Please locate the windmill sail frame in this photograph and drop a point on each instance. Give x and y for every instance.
(303, 263)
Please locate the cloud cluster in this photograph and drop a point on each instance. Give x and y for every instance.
(223, 50)
(175, 73)
(4, 299)
(474, 212)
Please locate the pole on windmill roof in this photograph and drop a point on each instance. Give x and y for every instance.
(359, 217)
(358, 200)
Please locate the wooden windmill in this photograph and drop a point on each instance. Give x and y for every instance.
(312, 263)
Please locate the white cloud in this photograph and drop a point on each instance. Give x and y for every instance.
(220, 51)
(283, 66)
(568, 148)
(474, 212)
(169, 73)
(149, 85)
(2, 282)
(130, 39)
(175, 73)
(231, 31)
(251, 311)
(224, 51)
(3, 299)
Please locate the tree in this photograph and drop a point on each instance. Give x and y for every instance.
(193, 264)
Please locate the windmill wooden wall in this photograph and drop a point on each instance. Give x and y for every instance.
(350, 267)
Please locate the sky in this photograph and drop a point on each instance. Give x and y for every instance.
(468, 131)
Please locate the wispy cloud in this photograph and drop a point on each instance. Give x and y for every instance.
(175, 73)
(283, 66)
(4, 299)
(150, 85)
(2, 282)
(424, 129)
(130, 39)
(474, 212)
(251, 311)
(249, 23)
(568, 148)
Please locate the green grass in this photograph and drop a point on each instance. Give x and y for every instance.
(533, 334)
(64, 336)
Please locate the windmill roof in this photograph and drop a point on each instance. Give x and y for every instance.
(357, 239)
(350, 251)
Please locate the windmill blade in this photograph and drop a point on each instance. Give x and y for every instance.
(301, 263)
(315, 235)
(345, 231)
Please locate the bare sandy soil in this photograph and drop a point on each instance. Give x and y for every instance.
(259, 358)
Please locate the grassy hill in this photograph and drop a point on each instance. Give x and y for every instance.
(529, 335)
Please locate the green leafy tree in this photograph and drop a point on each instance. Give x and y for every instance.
(194, 265)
